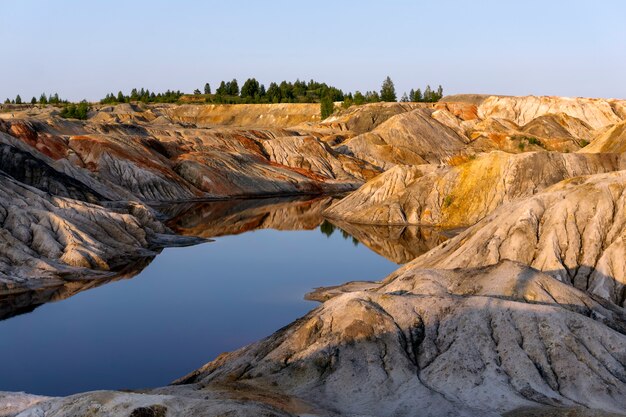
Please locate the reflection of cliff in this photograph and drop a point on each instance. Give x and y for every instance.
(219, 218)
(399, 244)
(24, 302)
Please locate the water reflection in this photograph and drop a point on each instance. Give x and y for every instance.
(399, 244)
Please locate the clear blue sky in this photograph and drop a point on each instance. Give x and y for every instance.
(84, 49)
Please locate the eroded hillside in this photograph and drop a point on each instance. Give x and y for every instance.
(521, 310)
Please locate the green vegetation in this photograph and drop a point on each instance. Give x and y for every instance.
(528, 140)
(447, 202)
(252, 91)
(388, 90)
(584, 143)
(429, 96)
(327, 106)
(328, 229)
(75, 111)
(144, 96)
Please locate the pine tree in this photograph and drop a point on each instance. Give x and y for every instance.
(439, 92)
(43, 99)
(418, 96)
(234, 88)
(33, 100)
(388, 90)
(18, 99)
(404, 98)
(207, 88)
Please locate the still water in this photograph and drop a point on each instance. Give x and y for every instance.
(191, 304)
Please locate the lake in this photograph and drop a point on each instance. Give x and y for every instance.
(158, 322)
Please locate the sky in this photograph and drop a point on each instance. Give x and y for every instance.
(86, 49)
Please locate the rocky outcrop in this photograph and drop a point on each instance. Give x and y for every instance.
(612, 140)
(365, 118)
(574, 230)
(459, 196)
(45, 239)
(522, 312)
(410, 138)
(457, 343)
(173, 163)
(596, 113)
(246, 115)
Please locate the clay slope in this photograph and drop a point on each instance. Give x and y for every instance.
(412, 138)
(612, 140)
(458, 196)
(574, 230)
(171, 162)
(247, 115)
(466, 343)
(46, 239)
(597, 113)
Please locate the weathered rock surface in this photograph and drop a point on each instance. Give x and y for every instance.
(612, 140)
(484, 341)
(520, 314)
(409, 138)
(170, 162)
(574, 230)
(597, 113)
(46, 240)
(459, 196)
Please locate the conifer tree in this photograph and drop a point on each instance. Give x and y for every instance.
(388, 90)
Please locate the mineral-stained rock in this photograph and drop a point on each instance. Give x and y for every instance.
(458, 196)
(45, 239)
(574, 230)
(611, 140)
(174, 163)
(475, 342)
(412, 138)
(597, 113)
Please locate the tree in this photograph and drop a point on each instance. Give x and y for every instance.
(327, 106)
(404, 98)
(273, 93)
(7, 101)
(372, 97)
(222, 90)
(196, 92)
(43, 99)
(418, 95)
(120, 97)
(18, 99)
(234, 88)
(388, 90)
(33, 100)
(207, 88)
(359, 98)
(428, 94)
(250, 88)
